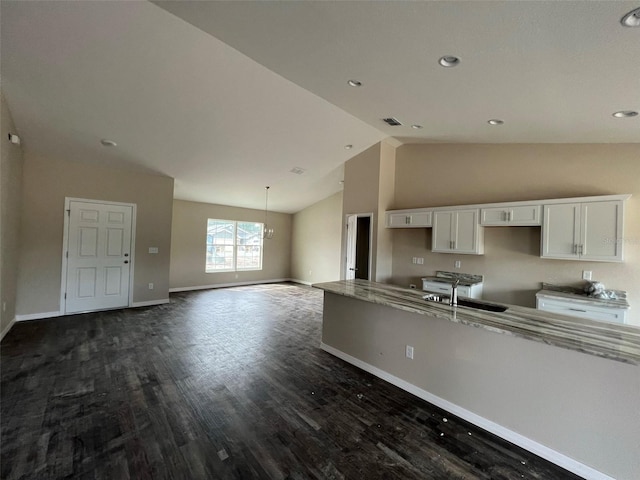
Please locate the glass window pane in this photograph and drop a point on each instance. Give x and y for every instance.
(220, 232)
(249, 257)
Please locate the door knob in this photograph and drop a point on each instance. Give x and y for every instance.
(126, 261)
(126, 254)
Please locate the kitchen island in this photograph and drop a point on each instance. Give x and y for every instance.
(564, 388)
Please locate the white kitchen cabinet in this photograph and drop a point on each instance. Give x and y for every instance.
(457, 231)
(590, 231)
(581, 310)
(470, 291)
(419, 218)
(521, 215)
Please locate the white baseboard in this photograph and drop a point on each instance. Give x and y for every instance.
(225, 285)
(150, 303)
(37, 316)
(532, 446)
(302, 282)
(7, 328)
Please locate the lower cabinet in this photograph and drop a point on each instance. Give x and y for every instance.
(469, 291)
(575, 309)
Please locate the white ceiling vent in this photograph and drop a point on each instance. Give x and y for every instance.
(297, 170)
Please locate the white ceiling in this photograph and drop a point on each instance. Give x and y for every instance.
(227, 97)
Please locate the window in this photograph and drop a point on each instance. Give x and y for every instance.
(233, 246)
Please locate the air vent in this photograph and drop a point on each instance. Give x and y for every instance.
(297, 170)
(392, 121)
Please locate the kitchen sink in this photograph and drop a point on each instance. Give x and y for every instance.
(465, 302)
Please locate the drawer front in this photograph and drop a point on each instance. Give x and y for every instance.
(581, 311)
(463, 290)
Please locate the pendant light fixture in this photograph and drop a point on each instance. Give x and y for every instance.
(267, 231)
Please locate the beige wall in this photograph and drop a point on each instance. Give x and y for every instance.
(316, 241)
(440, 175)
(189, 238)
(10, 204)
(47, 181)
(580, 405)
(369, 188)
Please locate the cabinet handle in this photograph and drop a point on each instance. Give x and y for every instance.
(581, 249)
(505, 216)
(510, 216)
(575, 248)
(407, 220)
(577, 310)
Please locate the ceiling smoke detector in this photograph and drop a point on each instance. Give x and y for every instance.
(394, 122)
(631, 19)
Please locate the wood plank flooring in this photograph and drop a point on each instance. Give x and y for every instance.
(223, 384)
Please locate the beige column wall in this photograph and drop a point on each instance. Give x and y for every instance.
(316, 241)
(47, 181)
(189, 239)
(439, 175)
(10, 204)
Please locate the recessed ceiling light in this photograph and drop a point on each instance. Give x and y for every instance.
(449, 61)
(625, 114)
(108, 143)
(417, 127)
(348, 147)
(631, 19)
(495, 121)
(354, 83)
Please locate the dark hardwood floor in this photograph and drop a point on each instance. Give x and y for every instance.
(223, 384)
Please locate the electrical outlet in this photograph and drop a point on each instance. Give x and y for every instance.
(457, 264)
(586, 274)
(153, 249)
(420, 261)
(414, 260)
(151, 286)
(409, 352)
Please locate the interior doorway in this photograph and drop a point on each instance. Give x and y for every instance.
(358, 246)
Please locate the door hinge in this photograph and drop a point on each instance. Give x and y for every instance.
(69, 212)
(65, 296)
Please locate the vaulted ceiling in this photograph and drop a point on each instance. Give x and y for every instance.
(230, 96)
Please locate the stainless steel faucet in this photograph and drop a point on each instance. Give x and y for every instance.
(454, 293)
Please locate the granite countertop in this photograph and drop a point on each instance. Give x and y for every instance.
(577, 295)
(613, 341)
(466, 279)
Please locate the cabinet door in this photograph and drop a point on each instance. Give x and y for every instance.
(443, 224)
(494, 216)
(561, 231)
(397, 220)
(524, 215)
(420, 219)
(466, 231)
(601, 234)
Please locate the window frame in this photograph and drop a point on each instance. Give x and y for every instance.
(236, 244)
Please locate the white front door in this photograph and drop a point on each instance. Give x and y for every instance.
(98, 256)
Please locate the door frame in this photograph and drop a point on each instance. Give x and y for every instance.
(345, 241)
(65, 246)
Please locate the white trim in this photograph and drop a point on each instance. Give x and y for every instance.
(302, 282)
(37, 316)
(149, 303)
(225, 285)
(65, 244)
(531, 445)
(7, 328)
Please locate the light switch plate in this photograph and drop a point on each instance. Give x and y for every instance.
(153, 249)
(586, 274)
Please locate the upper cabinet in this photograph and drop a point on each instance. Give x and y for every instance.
(583, 231)
(417, 218)
(457, 231)
(525, 215)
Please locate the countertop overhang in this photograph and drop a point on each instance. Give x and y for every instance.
(607, 340)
